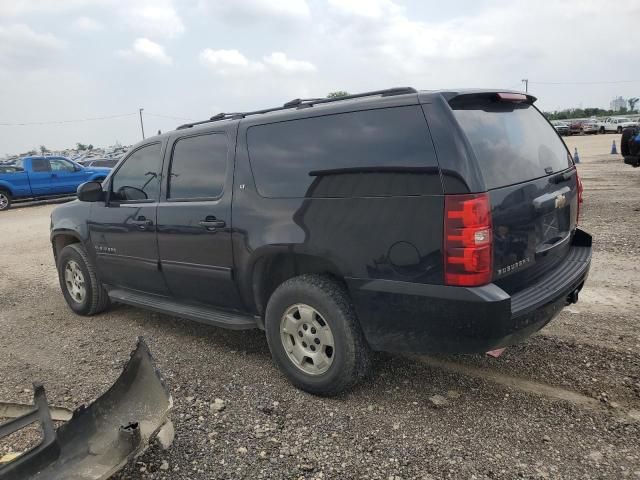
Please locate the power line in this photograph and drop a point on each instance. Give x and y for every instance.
(91, 119)
(603, 82)
(58, 122)
(170, 117)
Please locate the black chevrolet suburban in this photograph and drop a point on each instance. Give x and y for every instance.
(396, 220)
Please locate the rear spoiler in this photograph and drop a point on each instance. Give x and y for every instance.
(496, 95)
(100, 438)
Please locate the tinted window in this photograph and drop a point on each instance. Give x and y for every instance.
(59, 165)
(373, 152)
(40, 165)
(198, 167)
(512, 142)
(139, 177)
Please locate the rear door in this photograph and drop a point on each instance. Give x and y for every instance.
(41, 177)
(531, 180)
(194, 218)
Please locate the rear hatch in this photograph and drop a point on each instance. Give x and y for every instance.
(531, 181)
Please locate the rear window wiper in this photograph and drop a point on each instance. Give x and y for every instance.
(562, 177)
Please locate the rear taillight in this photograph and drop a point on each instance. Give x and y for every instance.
(580, 189)
(468, 240)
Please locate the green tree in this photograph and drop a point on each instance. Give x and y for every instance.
(81, 146)
(632, 104)
(43, 149)
(90, 147)
(337, 94)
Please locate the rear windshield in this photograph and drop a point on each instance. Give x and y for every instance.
(513, 143)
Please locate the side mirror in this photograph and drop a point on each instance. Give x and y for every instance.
(90, 192)
(77, 168)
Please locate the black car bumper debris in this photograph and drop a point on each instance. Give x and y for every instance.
(100, 438)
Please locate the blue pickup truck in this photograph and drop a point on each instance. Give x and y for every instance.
(38, 177)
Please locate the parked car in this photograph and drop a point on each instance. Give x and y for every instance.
(590, 126)
(575, 127)
(613, 124)
(395, 220)
(40, 177)
(100, 162)
(561, 127)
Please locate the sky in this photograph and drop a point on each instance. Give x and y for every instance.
(184, 60)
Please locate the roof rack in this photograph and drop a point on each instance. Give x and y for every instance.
(302, 103)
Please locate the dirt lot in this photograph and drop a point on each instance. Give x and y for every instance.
(564, 404)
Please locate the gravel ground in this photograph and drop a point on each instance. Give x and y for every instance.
(564, 404)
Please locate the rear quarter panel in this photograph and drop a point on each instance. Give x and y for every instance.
(396, 237)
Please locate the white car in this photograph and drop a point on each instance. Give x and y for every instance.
(613, 124)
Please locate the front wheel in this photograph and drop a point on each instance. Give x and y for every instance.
(314, 335)
(619, 130)
(5, 200)
(84, 294)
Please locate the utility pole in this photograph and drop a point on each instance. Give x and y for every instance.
(526, 84)
(141, 123)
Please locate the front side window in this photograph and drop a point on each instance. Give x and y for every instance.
(139, 177)
(59, 165)
(198, 167)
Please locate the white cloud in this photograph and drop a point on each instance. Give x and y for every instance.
(23, 47)
(280, 63)
(233, 62)
(87, 24)
(146, 49)
(228, 62)
(259, 10)
(154, 19)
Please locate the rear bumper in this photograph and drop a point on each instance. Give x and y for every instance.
(411, 317)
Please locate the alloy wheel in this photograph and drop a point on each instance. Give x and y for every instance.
(74, 280)
(307, 339)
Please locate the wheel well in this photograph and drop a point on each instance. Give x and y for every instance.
(270, 272)
(61, 241)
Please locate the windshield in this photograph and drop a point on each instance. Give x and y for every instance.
(513, 143)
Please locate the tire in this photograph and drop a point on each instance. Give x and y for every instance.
(627, 133)
(619, 130)
(74, 260)
(5, 200)
(601, 130)
(350, 356)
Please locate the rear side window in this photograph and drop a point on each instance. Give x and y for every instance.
(198, 167)
(138, 179)
(40, 165)
(374, 152)
(513, 143)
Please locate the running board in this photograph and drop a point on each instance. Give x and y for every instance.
(202, 314)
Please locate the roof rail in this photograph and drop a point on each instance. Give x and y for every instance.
(302, 103)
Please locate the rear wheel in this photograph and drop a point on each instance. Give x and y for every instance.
(314, 335)
(84, 294)
(619, 130)
(601, 130)
(5, 200)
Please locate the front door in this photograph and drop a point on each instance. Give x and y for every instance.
(194, 220)
(66, 177)
(123, 229)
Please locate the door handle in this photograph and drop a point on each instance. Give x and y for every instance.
(211, 223)
(142, 222)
